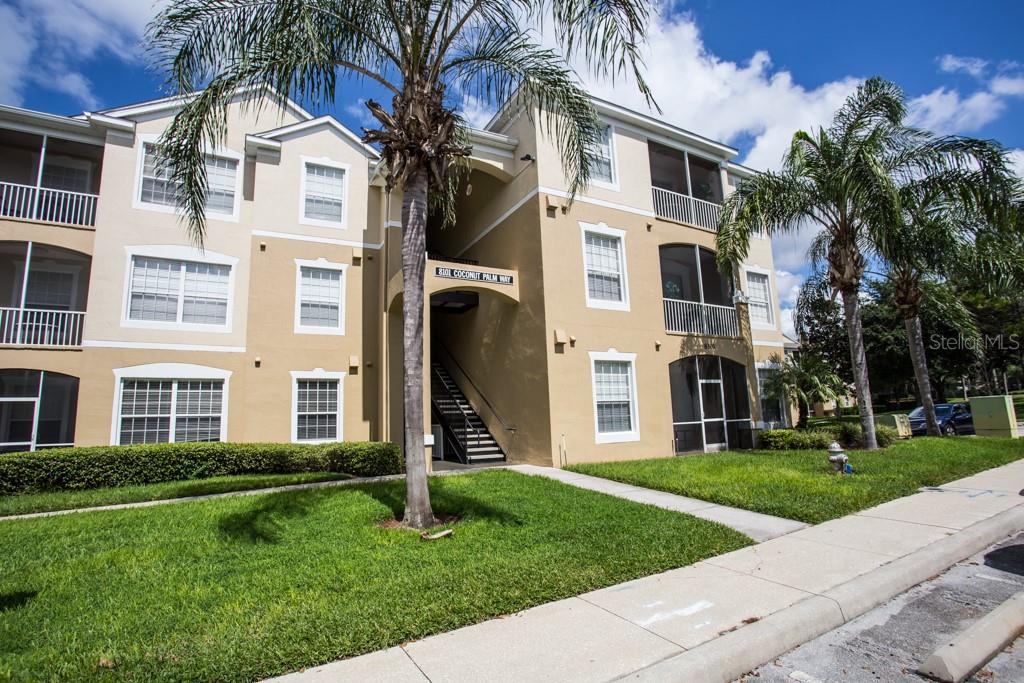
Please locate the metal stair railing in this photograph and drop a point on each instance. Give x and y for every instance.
(452, 414)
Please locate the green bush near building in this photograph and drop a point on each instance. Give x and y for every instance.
(848, 434)
(75, 469)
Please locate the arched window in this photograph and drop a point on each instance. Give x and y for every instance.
(710, 406)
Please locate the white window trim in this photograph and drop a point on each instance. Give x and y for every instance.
(323, 264)
(185, 371)
(615, 437)
(318, 373)
(774, 318)
(614, 184)
(603, 229)
(324, 161)
(224, 152)
(177, 253)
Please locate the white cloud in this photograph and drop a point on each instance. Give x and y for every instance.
(786, 323)
(946, 111)
(476, 111)
(16, 46)
(789, 285)
(1017, 161)
(358, 111)
(722, 99)
(1007, 85)
(43, 43)
(974, 66)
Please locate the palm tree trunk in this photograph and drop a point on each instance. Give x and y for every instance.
(915, 339)
(859, 362)
(418, 513)
(803, 414)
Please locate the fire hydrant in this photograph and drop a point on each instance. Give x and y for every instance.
(837, 458)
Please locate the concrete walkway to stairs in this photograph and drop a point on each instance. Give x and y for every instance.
(716, 619)
(755, 525)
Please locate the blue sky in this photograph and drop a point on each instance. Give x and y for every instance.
(744, 72)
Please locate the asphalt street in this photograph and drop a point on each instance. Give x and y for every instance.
(891, 641)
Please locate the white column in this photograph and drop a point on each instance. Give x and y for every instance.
(39, 176)
(24, 293)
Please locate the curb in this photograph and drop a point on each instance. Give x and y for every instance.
(728, 657)
(974, 647)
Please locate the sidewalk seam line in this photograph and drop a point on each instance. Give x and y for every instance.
(414, 663)
(633, 623)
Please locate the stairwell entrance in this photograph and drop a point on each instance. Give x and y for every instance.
(462, 417)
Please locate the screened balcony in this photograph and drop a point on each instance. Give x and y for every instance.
(48, 179)
(696, 297)
(44, 291)
(685, 187)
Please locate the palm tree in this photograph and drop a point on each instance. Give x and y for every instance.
(956, 220)
(418, 51)
(843, 180)
(806, 379)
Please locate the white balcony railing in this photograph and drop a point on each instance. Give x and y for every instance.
(44, 204)
(40, 327)
(696, 318)
(686, 209)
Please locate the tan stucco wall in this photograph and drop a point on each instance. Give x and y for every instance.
(508, 349)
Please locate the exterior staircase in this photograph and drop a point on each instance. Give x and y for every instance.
(465, 435)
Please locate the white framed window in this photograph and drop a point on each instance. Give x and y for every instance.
(317, 406)
(319, 297)
(773, 408)
(602, 161)
(172, 286)
(324, 193)
(604, 266)
(169, 403)
(759, 298)
(157, 191)
(615, 404)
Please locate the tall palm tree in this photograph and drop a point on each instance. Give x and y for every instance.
(843, 180)
(418, 51)
(956, 220)
(806, 379)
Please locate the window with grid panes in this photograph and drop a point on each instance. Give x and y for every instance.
(604, 267)
(316, 409)
(759, 298)
(614, 394)
(325, 193)
(601, 161)
(169, 410)
(158, 187)
(178, 291)
(320, 297)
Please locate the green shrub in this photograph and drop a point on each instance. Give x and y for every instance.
(848, 434)
(795, 439)
(69, 469)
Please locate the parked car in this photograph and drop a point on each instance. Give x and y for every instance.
(954, 419)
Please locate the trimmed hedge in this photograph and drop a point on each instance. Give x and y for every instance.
(70, 469)
(848, 434)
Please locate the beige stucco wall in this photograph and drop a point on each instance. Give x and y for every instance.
(508, 348)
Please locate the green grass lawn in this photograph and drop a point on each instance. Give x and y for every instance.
(241, 588)
(65, 500)
(798, 485)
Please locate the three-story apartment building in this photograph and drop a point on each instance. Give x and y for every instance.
(558, 330)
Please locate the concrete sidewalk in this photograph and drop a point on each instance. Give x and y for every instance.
(717, 619)
(754, 524)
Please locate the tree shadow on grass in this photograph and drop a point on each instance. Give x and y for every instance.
(264, 522)
(15, 599)
(445, 502)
